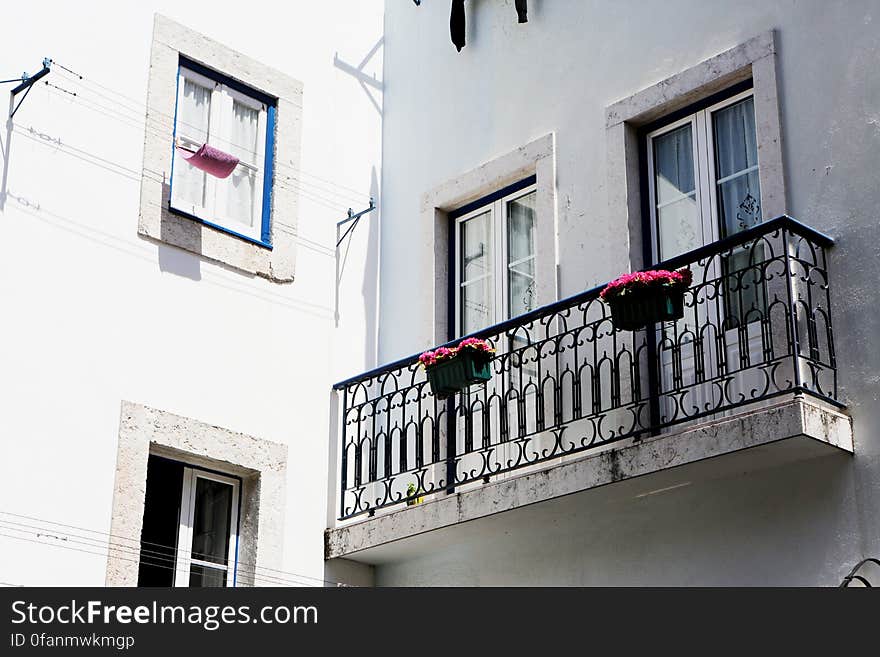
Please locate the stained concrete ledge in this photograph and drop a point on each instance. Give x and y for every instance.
(795, 429)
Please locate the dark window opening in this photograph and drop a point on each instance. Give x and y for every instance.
(161, 522)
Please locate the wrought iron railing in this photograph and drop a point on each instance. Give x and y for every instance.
(757, 325)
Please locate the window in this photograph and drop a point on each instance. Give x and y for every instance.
(704, 177)
(495, 258)
(232, 118)
(703, 180)
(190, 529)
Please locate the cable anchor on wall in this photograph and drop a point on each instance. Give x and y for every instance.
(355, 217)
(26, 83)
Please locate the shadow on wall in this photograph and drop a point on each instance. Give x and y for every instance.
(369, 276)
(365, 80)
(4, 149)
(174, 260)
(370, 287)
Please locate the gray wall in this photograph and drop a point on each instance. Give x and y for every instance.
(447, 112)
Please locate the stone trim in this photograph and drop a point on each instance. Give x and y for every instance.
(156, 221)
(755, 58)
(262, 466)
(536, 158)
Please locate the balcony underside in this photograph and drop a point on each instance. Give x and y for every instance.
(791, 429)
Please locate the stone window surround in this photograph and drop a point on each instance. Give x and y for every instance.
(536, 158)
(755, 59)
(262, 466)
(156, 220)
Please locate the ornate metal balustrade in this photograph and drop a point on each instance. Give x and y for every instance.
(757, 325)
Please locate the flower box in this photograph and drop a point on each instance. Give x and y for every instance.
(634, 311)
(643, 298)
(450, 370)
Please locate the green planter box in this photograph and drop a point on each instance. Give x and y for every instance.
(633, 311)
(465, 368)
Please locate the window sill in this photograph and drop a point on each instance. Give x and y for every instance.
(223, 229)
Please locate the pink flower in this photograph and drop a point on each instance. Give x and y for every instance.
(477, 344)
(646, 279)
(429, 358)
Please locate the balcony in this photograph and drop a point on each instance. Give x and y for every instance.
(752, 362)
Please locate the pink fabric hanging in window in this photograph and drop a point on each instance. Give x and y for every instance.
(210, 160)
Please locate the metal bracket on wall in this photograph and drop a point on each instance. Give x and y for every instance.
(26, 82)
(355, 217)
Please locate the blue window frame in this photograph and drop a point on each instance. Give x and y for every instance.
(214, 109)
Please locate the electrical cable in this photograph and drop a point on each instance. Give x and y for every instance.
(313, 193)
(126, 539)
(155, 557)
(147, 112)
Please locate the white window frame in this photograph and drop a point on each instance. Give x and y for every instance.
(219, 135)
(184, 559)
(706, 178)
(706, 185)
(498, 211)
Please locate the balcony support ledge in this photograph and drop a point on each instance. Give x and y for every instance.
(798, 428)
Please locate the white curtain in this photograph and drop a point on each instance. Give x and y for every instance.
(736, 160)
(194, 111)
(242, 187)
(521, 255)
(678, 217)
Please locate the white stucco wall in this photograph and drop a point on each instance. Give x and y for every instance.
(449, 112)
(93, 314)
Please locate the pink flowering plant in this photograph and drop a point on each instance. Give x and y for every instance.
(475, 345)
(644, 280)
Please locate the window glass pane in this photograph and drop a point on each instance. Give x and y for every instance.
(211, 521)
(202, 576)
(194, 111)
(476, 247)
(193, 115)
(477, 305)
(245, 124)
(521, 255)
(521, 227)
(679, 225)
(744, 286)
(521, 288)
(477, 279)
(241, 189)
(739, 203)
(736, 167)
(736, 145)
(674, 164)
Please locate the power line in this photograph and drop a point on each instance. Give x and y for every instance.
(146, 113)
(134, 175)
(146, 559)
(315, 193)
(253, 579)
(127, 539)
(154, 556)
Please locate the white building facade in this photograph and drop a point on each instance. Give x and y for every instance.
(169, 333)
(235, 399)
(555, 151)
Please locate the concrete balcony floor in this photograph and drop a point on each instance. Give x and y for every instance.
(792, 429)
